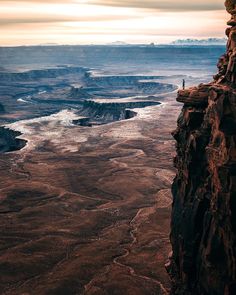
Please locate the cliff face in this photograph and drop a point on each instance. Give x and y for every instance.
(203, 225)
(9, 141)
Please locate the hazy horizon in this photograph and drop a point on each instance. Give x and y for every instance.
(98, 22)
(123, 44)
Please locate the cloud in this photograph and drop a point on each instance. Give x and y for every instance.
(62, 19)
(33, 12)
(168, 5)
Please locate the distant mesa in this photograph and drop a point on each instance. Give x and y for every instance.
(209, 41)
(118, 43)
(48, 44)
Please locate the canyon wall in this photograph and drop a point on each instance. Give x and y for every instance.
(203, 225)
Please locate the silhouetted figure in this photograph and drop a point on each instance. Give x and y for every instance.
(183, 84)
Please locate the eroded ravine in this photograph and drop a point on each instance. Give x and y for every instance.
(91, 211)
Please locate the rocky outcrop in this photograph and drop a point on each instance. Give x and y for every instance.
(79, 93)
(9, 141)
(110, 110)
(203, 224)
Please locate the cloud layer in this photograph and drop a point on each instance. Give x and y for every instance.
(104, 21)
(169, 5)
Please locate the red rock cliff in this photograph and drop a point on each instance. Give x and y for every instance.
(203, 233)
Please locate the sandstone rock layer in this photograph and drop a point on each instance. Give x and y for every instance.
(203, 225)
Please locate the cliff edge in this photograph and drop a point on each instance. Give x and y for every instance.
(203, 234)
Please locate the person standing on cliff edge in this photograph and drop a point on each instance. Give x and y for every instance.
(183, 84)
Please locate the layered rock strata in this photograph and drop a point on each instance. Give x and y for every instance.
(203, 225)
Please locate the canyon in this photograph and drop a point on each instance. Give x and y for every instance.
(86, 166)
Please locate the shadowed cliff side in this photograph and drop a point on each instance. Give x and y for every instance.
(203, 225)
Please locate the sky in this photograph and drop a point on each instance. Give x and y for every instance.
(30, 22)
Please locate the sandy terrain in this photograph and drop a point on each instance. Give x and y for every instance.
(87, 210)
